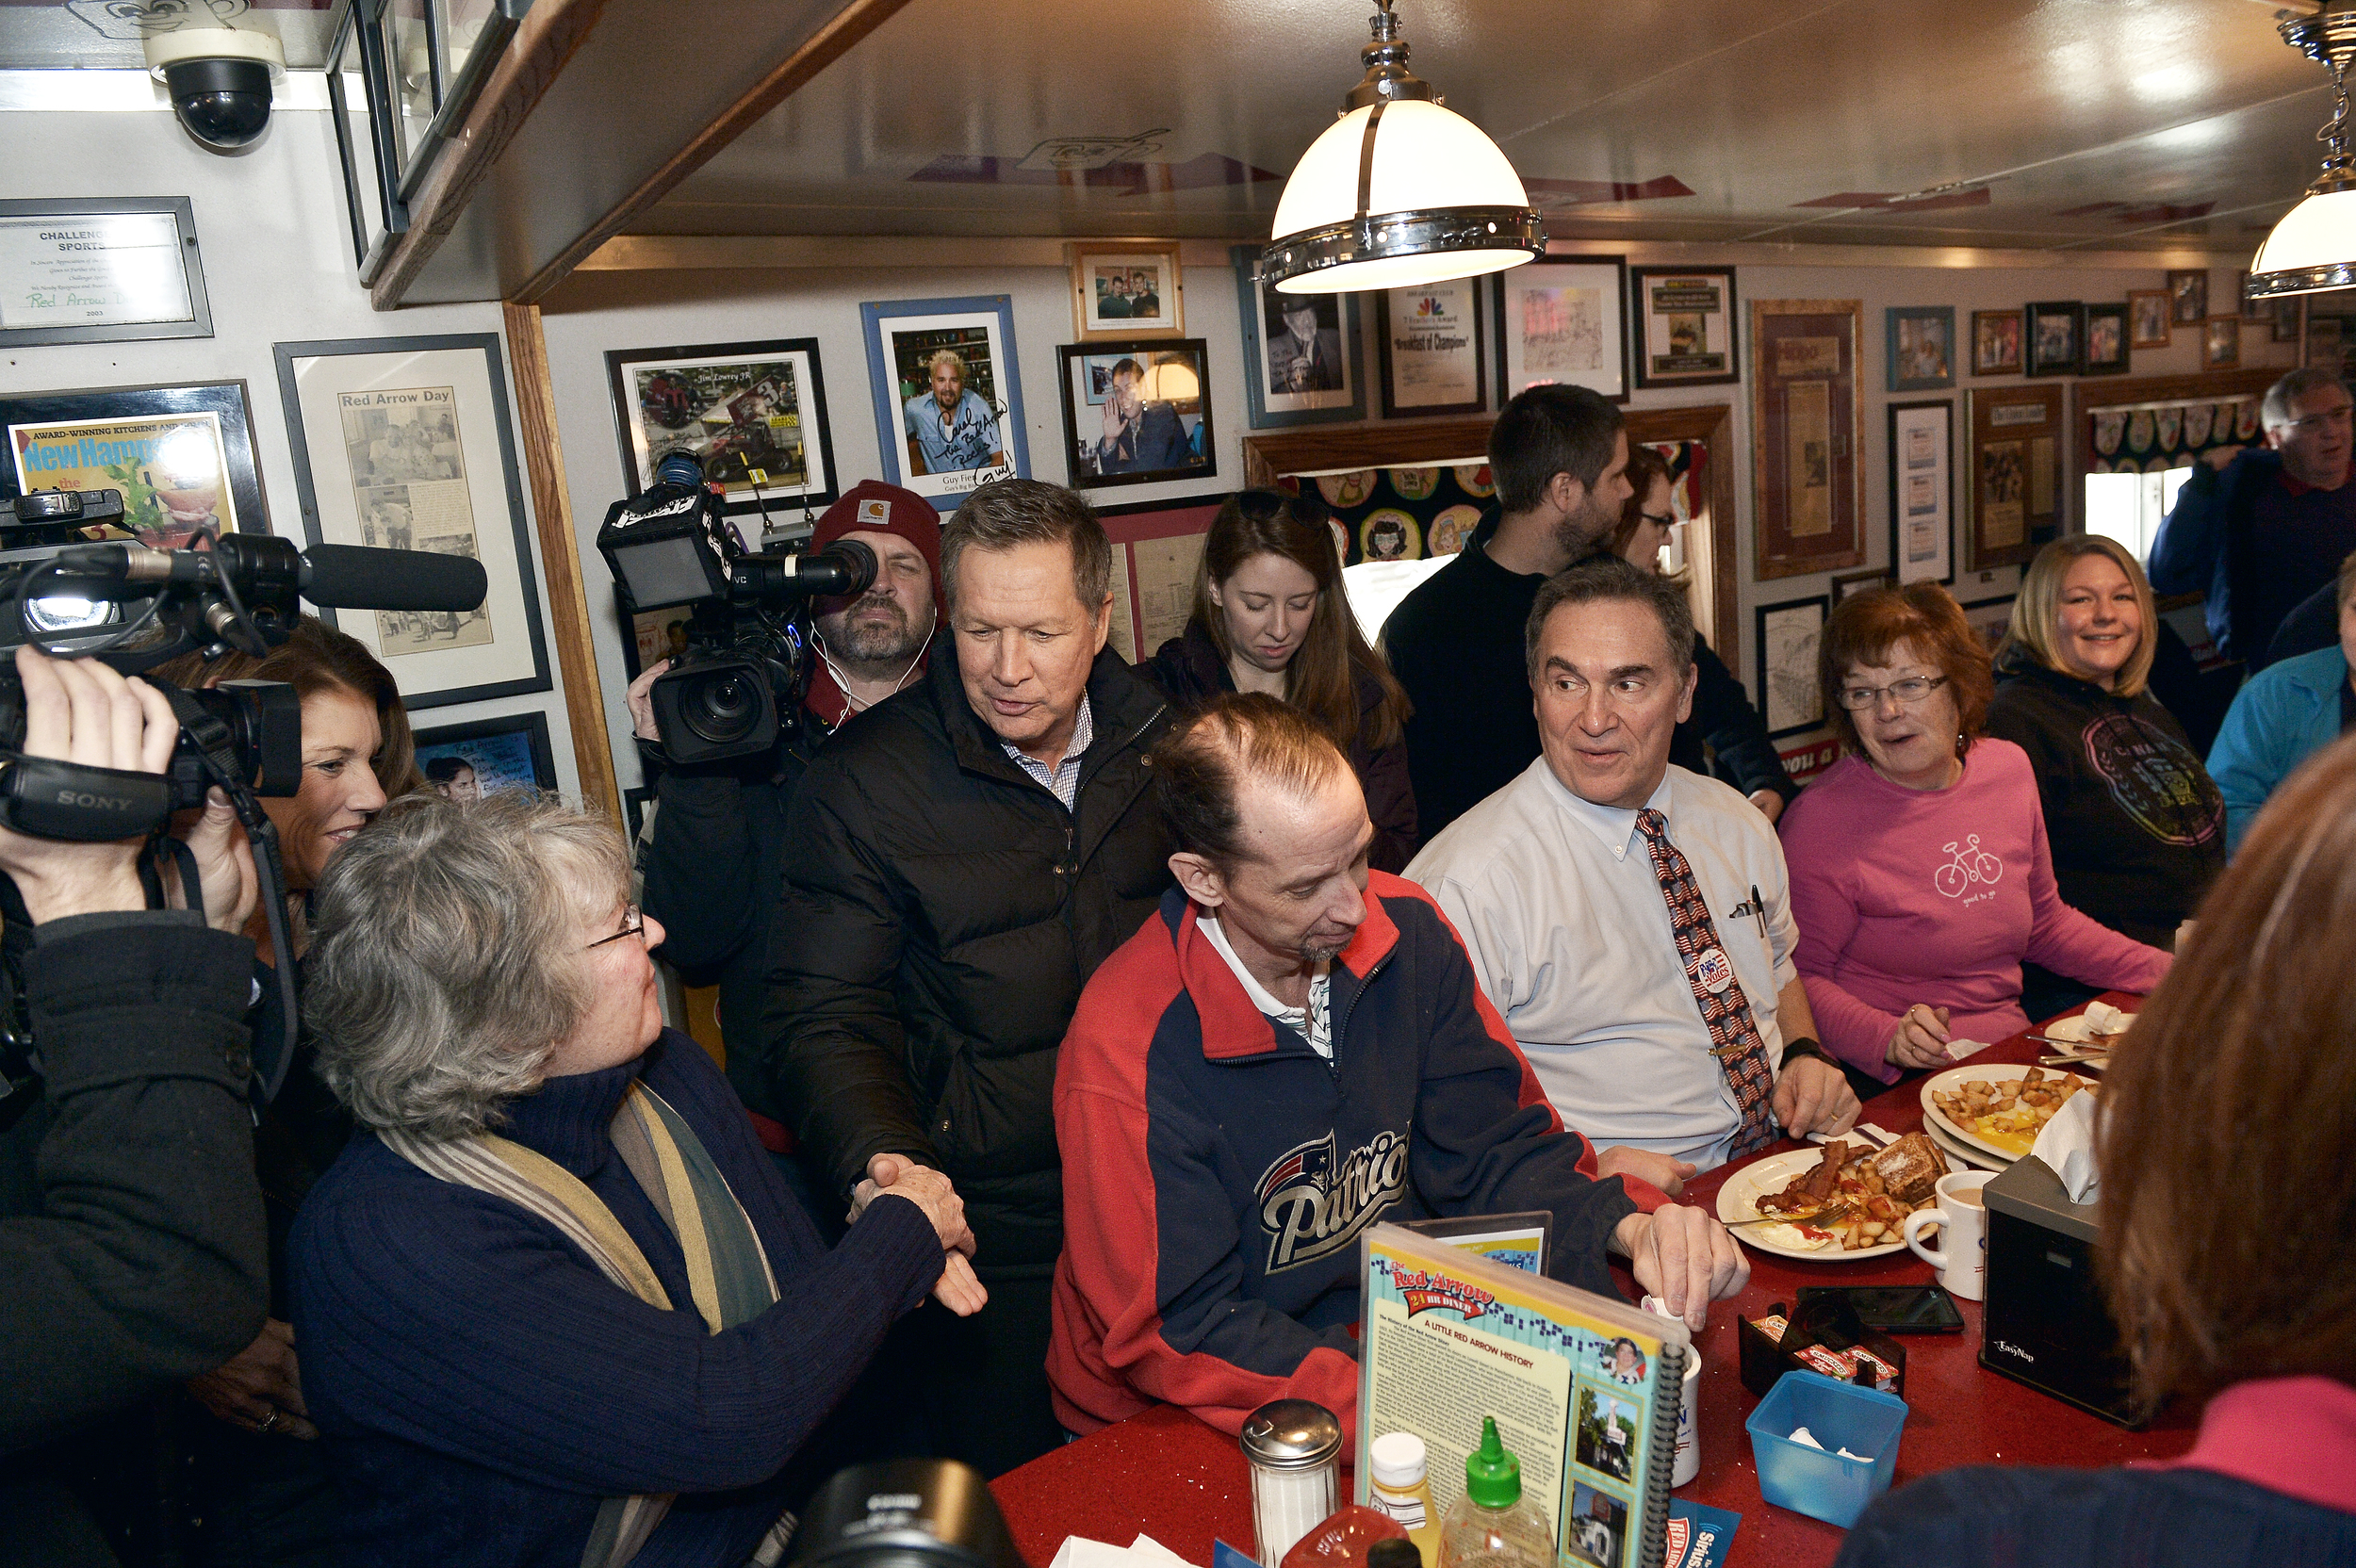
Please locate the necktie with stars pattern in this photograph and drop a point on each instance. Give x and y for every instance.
(1733, 1033)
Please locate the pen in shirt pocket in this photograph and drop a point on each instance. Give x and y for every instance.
(1758, 911)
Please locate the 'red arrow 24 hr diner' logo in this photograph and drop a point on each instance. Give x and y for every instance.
(1314, 1202)
(1424, 1290)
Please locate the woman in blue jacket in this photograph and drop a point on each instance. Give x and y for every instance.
(2287, 712)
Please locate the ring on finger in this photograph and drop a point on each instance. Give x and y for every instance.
(268, 1422)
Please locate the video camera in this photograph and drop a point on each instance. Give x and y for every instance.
(77, 594)
(739, 683)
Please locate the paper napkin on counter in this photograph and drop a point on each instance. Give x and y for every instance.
(1078, 1551)
(2104, 1019)
(2067, 1146)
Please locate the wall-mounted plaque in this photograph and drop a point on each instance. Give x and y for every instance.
(100, 269)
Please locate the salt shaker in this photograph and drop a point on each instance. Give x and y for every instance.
(1293, 1448)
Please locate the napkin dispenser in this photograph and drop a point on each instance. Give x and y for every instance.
(2045, 1323)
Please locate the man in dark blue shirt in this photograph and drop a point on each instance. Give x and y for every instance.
(2262, 532)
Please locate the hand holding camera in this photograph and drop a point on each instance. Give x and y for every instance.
(80, 711)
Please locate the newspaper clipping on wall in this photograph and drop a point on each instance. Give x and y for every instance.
(409, 487)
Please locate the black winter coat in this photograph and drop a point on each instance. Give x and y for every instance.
(941, 912)
(1190, 669)
(132, 1242)
(713, 869)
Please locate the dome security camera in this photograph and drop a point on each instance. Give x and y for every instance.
(218, 78)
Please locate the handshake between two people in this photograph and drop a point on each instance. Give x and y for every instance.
(900, 1176)
(80, 711)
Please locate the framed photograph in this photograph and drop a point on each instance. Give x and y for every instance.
(1790, 698)
(2289, 318)
(100, 269)
(2255, 312)
(1125, 291)
(1134, 413)
(1434, 349)
(1990, 619)
(2148, 318)
(948, 398)
(1995, 342)
(2322, 346)
(1561, 321)
(405, 443)
(2220, 343)
(1685, 326)
(488, 756)
(2055, 335)
(1301, 359)
(2106, 340)
(753, 414)
(183, 456)
(1858, 583)
(1807, 421)
(1922, 347)
(2188, 296)
(1921, 492)
(2013, 473)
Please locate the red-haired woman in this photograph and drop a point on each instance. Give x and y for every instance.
(2233, 1097)
(1270, 616)
(1920, 875)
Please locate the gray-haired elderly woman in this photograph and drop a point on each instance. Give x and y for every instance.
(559, 1308)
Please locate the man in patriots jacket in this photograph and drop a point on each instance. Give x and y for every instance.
(1292, 1048)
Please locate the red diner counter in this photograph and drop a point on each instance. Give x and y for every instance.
(1169, 1475)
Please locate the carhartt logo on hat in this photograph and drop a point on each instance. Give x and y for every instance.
(876, 513)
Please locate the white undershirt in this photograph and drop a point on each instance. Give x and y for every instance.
(1314, 1023)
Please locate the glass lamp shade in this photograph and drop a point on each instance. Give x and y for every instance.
(1441, 201)
(2312, 248)
(1172, 381)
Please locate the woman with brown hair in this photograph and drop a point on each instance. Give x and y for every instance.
(1270, 616)
(2137, 825)
(1722, 721)
(264, 1498)
(2233, 1097)
(1921, 875)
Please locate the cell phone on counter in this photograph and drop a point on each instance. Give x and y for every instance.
(1896, 1309)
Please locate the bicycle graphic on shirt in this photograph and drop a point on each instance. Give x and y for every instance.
(1971, 864)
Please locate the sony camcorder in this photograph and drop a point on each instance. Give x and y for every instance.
(739, 684)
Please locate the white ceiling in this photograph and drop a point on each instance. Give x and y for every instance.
(2090, 123)
(98, 35)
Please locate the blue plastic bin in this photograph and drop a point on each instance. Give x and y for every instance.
(1823, 1486)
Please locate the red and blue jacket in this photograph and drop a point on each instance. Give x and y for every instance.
(1217, 1172)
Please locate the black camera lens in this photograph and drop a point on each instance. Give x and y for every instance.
(723, 710)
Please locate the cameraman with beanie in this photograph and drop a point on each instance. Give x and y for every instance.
(132, 1243)
(715, 867)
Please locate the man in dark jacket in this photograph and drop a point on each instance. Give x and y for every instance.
(132, 1242)
(2273, 526)
(1560, 454)
(956, 865)
(1293, 1049)
(714, 863)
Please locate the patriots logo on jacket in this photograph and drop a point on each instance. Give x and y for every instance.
(1314, 1202)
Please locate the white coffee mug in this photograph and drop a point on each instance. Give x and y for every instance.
(1962, 1261)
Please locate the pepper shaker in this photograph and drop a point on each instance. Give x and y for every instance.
(1293, 1448)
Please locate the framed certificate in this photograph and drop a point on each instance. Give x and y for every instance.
(1434, 356)
(100, 269)
(1685, 326)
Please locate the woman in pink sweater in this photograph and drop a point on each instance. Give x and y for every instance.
(1920, 872)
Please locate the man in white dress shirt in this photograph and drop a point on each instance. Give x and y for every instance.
(1629, 919)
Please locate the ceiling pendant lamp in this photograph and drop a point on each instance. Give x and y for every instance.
(2313, 247)
(1399, 192)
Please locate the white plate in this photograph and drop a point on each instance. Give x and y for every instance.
(1735, 1201)
(2074, 1029)
(1961, 1154)
(1951, 1081)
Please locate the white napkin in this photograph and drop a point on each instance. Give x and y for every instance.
(2067, 1146)
(2104, 1019)
(1958, 1050)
